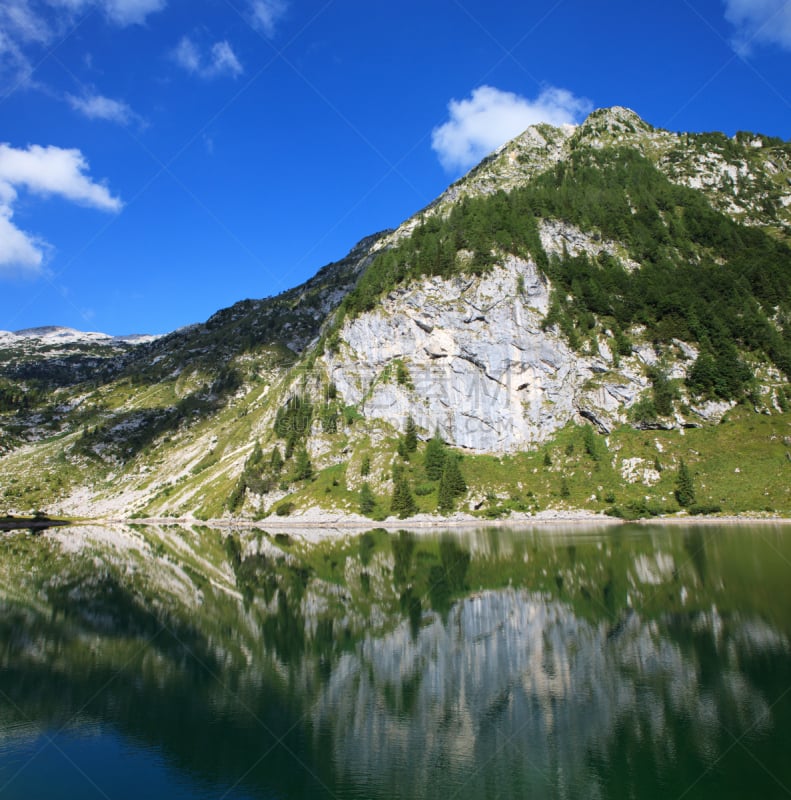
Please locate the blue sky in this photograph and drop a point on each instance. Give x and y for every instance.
(162, 159)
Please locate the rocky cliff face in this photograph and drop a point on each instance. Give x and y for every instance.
(472, 358)
(475, 362)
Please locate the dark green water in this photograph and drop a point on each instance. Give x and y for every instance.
(616, 663)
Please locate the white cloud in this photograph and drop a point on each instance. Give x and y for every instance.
(119, 12)
(266, 14)
(187, 56)
(21, 255)
(21, 28)
(223, 60)
(26, 26)
(54, 170)
(759, 22)
(96, 106)
(21, 22)
(131, 12)
(15, 68)
(45, 171)
(490, 117)
(218, 62)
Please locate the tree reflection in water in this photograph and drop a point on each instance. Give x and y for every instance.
(497, 663)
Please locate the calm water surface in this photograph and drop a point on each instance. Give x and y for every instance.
(193, 663)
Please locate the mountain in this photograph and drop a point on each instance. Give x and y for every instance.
(54, 335)
(586, 310)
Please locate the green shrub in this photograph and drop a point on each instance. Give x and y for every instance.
(285, 509)
(402, 375)
(701, 508)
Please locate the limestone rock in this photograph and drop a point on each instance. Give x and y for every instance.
(481, 368)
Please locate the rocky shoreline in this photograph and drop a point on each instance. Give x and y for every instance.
(317, 520)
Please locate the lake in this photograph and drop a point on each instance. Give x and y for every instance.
(173, 662)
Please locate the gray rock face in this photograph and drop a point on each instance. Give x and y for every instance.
(557, 237)
(480, 367)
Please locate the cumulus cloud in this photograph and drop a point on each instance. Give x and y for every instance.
(266, 14)
(44, 171)
(219, 61)
(490, 117)
(54, 171)
(759, 22)
(21, 255)
(97, 106)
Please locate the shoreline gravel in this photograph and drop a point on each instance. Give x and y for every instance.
(315, 520)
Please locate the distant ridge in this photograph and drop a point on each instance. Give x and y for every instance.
(56, 334)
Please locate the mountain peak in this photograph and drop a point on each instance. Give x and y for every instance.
(50, 331)
(617, 117)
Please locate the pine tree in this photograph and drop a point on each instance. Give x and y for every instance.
(257, 456)
(403, 504)
(455, 478)
(451, 484)
(434, 459)
(685, 489)
(276, 460)
(365, 466)
(367, 499)
(329, 419)
(547, 459)
(445, 496)
(591, 442)
(410, 435)
(303, 469)
(293, 419)
(236, 498)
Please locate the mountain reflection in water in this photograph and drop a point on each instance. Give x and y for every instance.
(500, 663)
